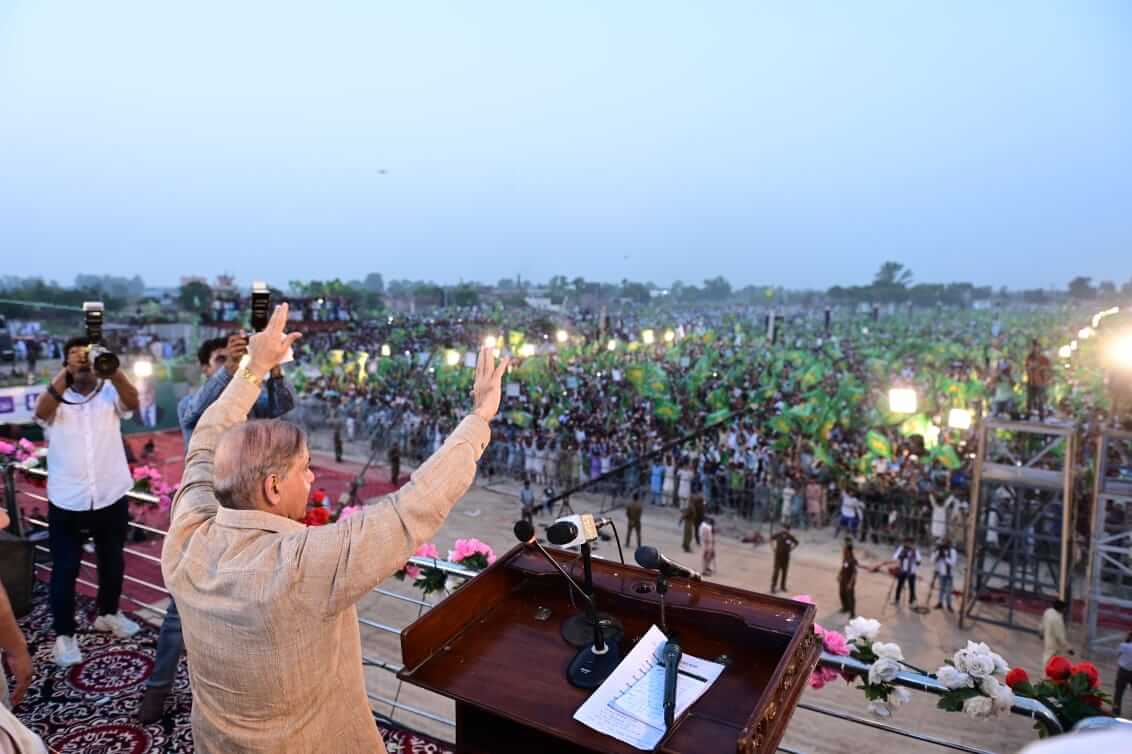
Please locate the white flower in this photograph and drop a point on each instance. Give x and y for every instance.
(976, 660)
(862, 628)
(978, 707)
(1000, 694)
(890, 650)
(899, 697)
(883, 670)
(953, 678)
(880, 709)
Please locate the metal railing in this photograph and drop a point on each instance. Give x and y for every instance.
(909, 679)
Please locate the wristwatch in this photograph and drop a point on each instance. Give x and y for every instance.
(248, 374)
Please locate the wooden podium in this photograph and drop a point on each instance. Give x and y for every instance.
(492, 649)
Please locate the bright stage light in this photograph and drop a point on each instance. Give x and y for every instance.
(1085, 333)
(612, 345)
(143, 369)
(1120, 352)
(669, 336)
(959, 418)
(902, 400)
(452, 358)
(649, 337)
(386, 350)
(489, 341)
(562, 336)
(527, 350)
(1065, 352)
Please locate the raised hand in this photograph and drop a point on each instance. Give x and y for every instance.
(268, 347)
(488, 390)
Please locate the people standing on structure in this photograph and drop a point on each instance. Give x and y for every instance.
(784, 543)
(1039, 373)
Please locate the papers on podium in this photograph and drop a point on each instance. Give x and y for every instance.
(629, 706)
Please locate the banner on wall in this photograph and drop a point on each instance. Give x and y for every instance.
(17, 404)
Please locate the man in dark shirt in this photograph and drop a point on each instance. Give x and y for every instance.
(633, 514)
(784, 542)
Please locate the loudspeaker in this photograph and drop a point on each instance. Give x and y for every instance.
(17, 571)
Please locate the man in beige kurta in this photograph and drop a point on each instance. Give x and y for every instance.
(268, 604)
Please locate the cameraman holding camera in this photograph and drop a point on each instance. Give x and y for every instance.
(81, 414)
(219, 361)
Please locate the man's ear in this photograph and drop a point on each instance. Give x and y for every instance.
(270, 490)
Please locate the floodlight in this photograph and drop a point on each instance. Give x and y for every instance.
(902, 400)
(959, 418)
(143, 369)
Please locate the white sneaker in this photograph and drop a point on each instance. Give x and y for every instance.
(118, 624)
(67, 652)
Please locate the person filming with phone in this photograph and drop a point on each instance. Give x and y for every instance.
(268, 604)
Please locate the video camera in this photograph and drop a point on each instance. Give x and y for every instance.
(103, 361)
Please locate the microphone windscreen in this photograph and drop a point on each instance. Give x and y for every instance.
(648, 557)
(524, 531)
(561, 533)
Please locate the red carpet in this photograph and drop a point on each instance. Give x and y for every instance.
(90, 707)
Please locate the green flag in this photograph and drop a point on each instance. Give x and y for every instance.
(878, 444)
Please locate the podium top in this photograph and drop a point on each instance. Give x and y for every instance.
(487, 647)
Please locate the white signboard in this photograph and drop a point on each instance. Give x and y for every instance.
(17, 404)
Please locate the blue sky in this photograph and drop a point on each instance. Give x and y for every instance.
(788, 143)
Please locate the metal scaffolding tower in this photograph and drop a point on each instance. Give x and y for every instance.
(1020, 524)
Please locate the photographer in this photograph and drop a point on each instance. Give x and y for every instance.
(219, 360)
(89, 478)
(945, 559)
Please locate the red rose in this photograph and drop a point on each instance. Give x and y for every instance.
(1016, 676)
(1090, 670)
(319, 496)
(1058, 668)
(317, 517)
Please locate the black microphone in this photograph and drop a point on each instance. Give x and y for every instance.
(649, 557)
(592, 665)
(672, 655)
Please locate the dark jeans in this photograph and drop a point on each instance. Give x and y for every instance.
(1123, 679)
(634, 527)
(848, 599)
(910, 579)
(67, 531)
(170, 645)
(1036, 400)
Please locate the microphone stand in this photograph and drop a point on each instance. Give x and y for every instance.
(596, 662)
(577, 628)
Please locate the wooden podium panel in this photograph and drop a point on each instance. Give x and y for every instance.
(486, 647)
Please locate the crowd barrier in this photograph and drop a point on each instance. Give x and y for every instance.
(908, 679)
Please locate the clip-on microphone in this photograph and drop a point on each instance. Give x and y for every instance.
(594, 663)
(579, 531)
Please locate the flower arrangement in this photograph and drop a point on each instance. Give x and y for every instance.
(148, 479)
(973, 688)
(472, 553)
(427, 579)
(1071, 691)
(24, 452)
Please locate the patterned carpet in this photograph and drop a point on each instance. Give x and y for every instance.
(90, 708)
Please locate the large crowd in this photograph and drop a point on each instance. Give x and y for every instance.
(791, 427)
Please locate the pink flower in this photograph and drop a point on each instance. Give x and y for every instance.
(427, 550)
(165, 502)
(27, 445)
(823, 675)
(465, 548)
(835, 643)
(348, 511)
(7, 448)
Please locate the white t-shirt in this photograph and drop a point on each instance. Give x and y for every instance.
(85, 456)
(849, 506)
